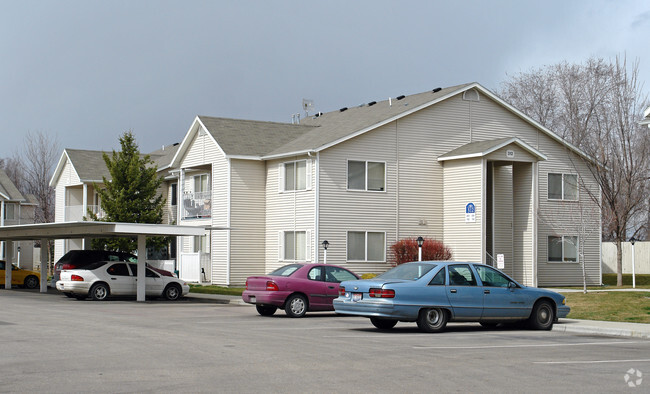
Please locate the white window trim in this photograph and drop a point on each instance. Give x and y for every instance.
(563, 199)
(347, 174)
(281, 176)
(563, 260)
(281, 256)
(365, 260)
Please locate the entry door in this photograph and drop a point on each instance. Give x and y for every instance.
(465, 296)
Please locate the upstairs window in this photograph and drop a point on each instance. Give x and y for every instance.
(366, 246)
(10, 211)
(563, 187)
(201, 183)
(366, 175)
(294, 176)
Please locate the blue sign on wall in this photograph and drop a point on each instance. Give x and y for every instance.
(470, 213)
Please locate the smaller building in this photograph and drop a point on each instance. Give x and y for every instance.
(16, 208)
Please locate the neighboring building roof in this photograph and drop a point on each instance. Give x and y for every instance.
(646, 119)
(484, 148)
(163, 156)
(8, 190)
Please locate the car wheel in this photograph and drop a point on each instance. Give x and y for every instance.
(432, 320)
(489, 325)
(99, 292)
(172, 292)
(383, 324)
(296, 306)
(266, 310)
(542, 316)
(31, 282)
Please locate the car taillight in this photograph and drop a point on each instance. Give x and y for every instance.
(381, 293)
(341, 291)
(272, 286)
(65, 266)
(76, 278)
(246, 284)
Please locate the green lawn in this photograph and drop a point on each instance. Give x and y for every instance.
(641, 280)
(630, 307)
(210, 289)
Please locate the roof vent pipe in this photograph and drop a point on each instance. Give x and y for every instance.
(343, 109)
(390, 102)
(400, 97)
(370, 104)
(436, 90)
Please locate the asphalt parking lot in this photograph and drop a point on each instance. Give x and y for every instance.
(49, 343)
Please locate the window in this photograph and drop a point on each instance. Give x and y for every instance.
(201, 244)
(491, 277)
(201, 183)
(366, 246)
(439, 279)
(294, 245)
(366, 175)
(563, 187)
(295, 175)
(10, 211)
(413, 271)
(338, 275)
(118, 270)
(563, 249)
(174, 194)
(316, 273)
(286, 271)
(461, 275)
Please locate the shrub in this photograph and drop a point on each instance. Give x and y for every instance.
(406, 250)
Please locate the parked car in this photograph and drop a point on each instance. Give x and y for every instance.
(296, 288)
(82, 258)
(434, 292)
(20, 277)
(102, 279)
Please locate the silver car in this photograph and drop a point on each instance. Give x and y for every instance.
(109, 278)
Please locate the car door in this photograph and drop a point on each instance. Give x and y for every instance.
(317, 288)
(463, 292)
(154, 283)
(334, 276)
(501, 300)
(120, 279)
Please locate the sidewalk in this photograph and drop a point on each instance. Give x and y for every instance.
(573, 326)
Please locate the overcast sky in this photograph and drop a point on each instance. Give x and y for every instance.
(86, 71)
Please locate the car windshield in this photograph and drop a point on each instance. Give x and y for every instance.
(410, 271)
(287, 270)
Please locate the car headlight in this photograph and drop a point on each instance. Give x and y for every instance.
(564, 301)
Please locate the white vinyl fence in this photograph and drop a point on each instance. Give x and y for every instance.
(641, 257)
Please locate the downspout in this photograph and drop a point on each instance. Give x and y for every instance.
(84, 210)
(535, 221)
(316, 206)
(396, 183)
(229, 191)
(2, 224)
(483, 210)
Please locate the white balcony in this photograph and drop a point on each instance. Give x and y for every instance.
(75, 213)
(197, 205)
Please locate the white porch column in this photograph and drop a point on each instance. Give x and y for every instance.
(2, 223)
(84, 210)
(142, 256)
(44, 254)
(8, 267)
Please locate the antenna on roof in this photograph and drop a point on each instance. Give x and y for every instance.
(307, 105)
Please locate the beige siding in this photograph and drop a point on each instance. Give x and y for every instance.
(287, 211)
(503, 215)
(490, 121)
(522, 178)
(67, 178)
(564, 218)
(247, 219)
(520, 154)
(463, 185)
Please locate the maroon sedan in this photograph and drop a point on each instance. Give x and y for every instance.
(297, 288)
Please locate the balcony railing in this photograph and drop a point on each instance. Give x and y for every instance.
(75, 213)
(197, 205)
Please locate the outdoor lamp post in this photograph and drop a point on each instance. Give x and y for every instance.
(325, 245)
(632, 241)
(420, 243)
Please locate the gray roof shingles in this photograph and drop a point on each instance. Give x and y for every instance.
(8, 188)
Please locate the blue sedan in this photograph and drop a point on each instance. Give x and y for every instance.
(433, 293)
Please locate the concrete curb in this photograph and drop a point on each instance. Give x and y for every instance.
(628, 330)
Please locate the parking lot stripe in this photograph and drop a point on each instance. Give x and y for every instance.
(592, 362)
(530, 345)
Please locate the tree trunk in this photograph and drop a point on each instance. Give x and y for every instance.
(619, 263)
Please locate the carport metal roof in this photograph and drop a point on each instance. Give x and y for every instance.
(68, 230)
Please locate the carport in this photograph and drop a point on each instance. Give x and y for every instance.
(69, 230)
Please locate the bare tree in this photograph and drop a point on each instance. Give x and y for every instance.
(14, 170)
(596, 106)
(39, 158)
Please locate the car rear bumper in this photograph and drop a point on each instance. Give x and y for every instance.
(276, 298)
(73, 287)
(368, 309)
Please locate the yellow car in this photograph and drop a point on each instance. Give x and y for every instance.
(20, 277)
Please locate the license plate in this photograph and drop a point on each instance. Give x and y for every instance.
(356, 297)
(251, 299)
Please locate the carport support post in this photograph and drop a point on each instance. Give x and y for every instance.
(9, 256)
(142, 258)
(45, 251)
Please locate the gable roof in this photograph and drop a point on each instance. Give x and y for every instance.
(646, 119)
(484, 148)
(8, 189)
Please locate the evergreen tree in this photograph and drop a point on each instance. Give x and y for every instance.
(131, 195)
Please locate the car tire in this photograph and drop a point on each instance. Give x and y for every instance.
(99, 292)
(172, 292)
(266, 310)
(31, 282)
(383, 324)
(542, 317)
(296, 306)
(432, 320)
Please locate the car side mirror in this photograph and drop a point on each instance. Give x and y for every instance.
(512, 286)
